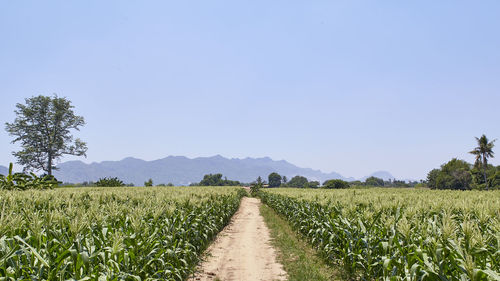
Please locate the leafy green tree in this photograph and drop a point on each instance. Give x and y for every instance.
(298, 181)
(356, 182)
(216, 180)
(259, 180)
(274, 180)
(453, 175)
(374, 181)
(432, 178)
(312, 184)
(494, 180)
(42, 127)
(335, 184)
(285, 180)
(149, 182)
(483, 151)
(211, 180)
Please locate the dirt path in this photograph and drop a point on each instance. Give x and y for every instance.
(242, 250)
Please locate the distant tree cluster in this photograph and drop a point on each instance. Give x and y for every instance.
(109, 182)
(461, 175)
(335, 184)
(216, 180)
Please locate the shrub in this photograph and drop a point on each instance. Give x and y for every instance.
(109, 182)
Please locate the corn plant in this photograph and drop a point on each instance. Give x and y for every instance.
(398, 234)
(20, 181)
(110, 233)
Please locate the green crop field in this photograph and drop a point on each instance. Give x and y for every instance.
(398, 234)
(121, 233)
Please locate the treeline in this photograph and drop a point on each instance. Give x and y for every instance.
(216, 180)
(460, 175)
(276, 180)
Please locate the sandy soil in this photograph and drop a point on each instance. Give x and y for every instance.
(242, 250)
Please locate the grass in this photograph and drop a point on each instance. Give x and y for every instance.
(299, 260)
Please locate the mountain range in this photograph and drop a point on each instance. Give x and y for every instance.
(181, 170)
(3, 170)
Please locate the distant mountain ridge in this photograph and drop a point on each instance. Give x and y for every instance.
(4, 170)
(181, 170)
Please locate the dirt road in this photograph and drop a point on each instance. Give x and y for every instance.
(242, 250)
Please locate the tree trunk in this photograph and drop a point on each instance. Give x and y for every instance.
(49, 168)
(484, 172)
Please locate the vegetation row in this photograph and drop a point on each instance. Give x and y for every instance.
(385, 234)
(110, 234)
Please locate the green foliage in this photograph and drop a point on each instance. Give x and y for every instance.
(20, 181)
(374, 181)
(312, 184)
(388, 234)
(148, 182)
(109, 182)
(168, 184)
(274, 180)
(483, 151)
(110, 234)
(335, 184)
(453, 175)
(216, 180)
(298, 181)
(42, 127)
(494, 179)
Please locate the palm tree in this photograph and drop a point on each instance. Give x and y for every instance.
(483, 151)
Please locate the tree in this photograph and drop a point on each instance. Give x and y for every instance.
(374, 181)
(335, 184)
(453, 175)
(285, 180)
(312, 184)
(483, 151)
(216, 180)
(42, 127)
(298, 181)
(149, 182)
(274, 180)
(432, 177)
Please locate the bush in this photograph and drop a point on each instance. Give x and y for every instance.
(335, 184)
(109, 182)
(149, 182)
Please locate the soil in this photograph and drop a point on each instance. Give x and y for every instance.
(242, 251)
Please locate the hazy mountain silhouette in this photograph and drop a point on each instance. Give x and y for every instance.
(380, 174)
(4, 170)
(181, 170)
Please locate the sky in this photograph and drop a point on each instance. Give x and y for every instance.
(347, 86)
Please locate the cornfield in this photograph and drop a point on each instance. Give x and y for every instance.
(110, 233)
(394, 234)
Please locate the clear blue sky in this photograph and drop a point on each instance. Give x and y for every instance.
(346, 86)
